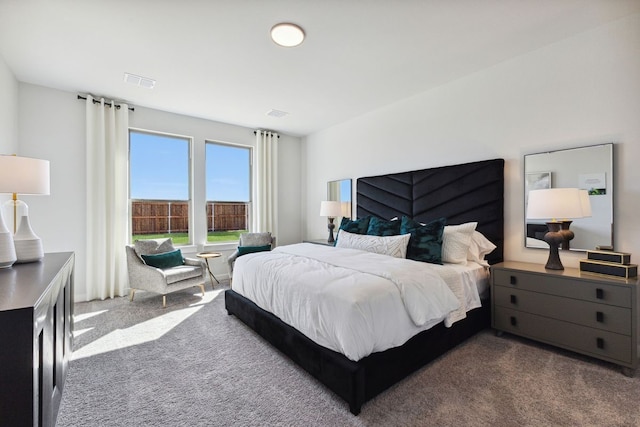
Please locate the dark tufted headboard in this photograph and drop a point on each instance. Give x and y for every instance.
(461, 193)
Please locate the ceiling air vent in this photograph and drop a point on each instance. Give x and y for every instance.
(135, 80)
(277, 113)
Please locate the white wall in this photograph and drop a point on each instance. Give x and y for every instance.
(52, 127)
(8, 114)
(584, 90)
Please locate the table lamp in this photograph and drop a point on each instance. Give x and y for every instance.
(331, 210)
(7, 248)
(553, 204)
(23, 175)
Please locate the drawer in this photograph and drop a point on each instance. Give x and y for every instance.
(586, 313)
(602, 293)
(582, 339)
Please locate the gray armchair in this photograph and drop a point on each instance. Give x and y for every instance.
(161, 280)
(250, 239)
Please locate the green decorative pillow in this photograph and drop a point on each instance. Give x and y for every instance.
(164, 260)
(381, 227)
(356, 226)
(243, 250)
(426, 240)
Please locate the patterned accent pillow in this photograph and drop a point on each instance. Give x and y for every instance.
(357, 226)
(153, 246)
(395, 246)
(455, 242)
(381, 227)
(426, 240)
(164, 260)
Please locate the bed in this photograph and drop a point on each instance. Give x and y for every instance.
(461, 193)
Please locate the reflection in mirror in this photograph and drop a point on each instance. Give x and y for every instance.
(589, 168)
(340, 191)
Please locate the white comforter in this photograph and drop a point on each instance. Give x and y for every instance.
(351, 301)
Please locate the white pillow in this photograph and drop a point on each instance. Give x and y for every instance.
(455, 242)
(479, 247)
(395, 246)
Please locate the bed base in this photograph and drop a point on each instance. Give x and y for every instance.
(357, 382)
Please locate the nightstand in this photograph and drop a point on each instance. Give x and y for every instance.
(590, 314)
(319, 242)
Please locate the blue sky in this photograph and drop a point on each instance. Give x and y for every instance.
(160, 169)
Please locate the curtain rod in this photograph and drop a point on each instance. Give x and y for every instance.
(255, 132)
(95, 101)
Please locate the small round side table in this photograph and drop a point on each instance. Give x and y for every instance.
(207, 256)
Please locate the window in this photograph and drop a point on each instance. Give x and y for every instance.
(228, 191)
(159, 186)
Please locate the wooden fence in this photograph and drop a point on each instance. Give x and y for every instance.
(163, 216)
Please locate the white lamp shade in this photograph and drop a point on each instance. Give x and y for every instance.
(557, 203)
(585, 202)
(330, 208)
(24, 175)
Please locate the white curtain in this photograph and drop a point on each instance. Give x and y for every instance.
(107, 199)
(265, 183)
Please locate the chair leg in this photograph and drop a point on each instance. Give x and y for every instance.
(164, 301)
(132, 292)
(202, 288)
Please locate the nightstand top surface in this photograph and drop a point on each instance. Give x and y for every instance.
(567, 272)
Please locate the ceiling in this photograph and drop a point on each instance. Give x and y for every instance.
(214, 59)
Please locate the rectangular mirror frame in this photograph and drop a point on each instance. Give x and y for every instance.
(577, 168)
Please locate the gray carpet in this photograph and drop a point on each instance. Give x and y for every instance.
(193, 365)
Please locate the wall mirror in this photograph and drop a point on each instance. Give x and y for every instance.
(340, 191)
(589, 168)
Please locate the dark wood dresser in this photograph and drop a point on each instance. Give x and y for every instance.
(36, 324)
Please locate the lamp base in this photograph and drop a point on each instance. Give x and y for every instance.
(567, 235)
(29, 251)
(7, 250)
(28, 245)
(554, 238)
(331, 226)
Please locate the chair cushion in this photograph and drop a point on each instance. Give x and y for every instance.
(182, 272)
(164, 260)
(255, 239)
(153, 246)
(243, 250)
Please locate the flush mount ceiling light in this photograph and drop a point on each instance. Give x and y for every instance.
(287, 35)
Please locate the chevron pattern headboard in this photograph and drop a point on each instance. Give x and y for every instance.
(461, 193)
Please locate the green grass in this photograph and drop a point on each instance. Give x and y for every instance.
(183, 238)
(224, 236)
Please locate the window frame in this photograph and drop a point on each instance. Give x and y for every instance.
(250, 178)
(190, 179)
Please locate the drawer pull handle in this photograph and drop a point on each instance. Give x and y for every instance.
(514, 321)
(514, 300)
(599, 316)
(600, 343)
(599, 293)
(513, 280)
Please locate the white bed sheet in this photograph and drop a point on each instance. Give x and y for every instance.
(356, 302)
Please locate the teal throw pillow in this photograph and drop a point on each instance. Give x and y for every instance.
(356, 226)
(381, 227)
(243, 250)
(425, 243)
(164, 260)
